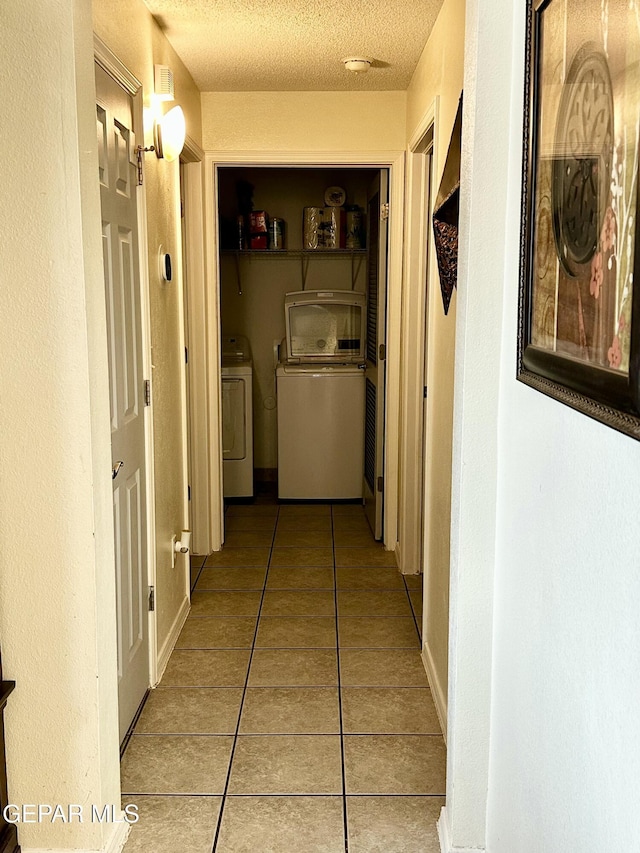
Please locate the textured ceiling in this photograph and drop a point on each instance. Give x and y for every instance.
(246, 45)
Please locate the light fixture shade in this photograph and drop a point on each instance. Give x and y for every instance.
(170, 132)
(357, 64)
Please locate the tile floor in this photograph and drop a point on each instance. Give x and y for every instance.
(294, 714)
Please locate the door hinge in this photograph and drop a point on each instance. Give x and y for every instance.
(380, 483)
(382, 352)
(147, 392)
(424, 392)
(188, 493)
(181, 208)
(186, 356)
(152, 599)
(384, 211)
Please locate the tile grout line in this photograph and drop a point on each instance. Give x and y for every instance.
(413, 613)
(244, 693)
(204, 735)
(335, 598)
(127, 738)
(324, 796)
(204, 560)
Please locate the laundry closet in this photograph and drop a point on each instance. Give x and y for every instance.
(293, 320)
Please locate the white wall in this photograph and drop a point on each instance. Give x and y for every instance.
(486, 117)
(565, 745)
(57, 590)
(545, 583)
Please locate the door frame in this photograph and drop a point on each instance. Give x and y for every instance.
(418, 281)
(200, 507)
(394, 161)
(374, 496)
(107, 60)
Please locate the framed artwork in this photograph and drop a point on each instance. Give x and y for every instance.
(579, 320)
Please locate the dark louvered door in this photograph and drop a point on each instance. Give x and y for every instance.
(377, 222)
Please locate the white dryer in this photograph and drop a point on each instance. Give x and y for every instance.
(237, 417)
(320, 385)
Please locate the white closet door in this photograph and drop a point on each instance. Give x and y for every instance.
(117, 174)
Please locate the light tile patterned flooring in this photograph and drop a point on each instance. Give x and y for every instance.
(294, 714)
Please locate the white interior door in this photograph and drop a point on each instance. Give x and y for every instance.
(118, 188)
(377, 235)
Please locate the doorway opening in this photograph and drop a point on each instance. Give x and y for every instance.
(319, 250)
(415, 352)
(427, 411)
(208, 528)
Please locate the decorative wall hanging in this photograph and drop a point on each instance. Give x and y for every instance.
(446, 214)
(579, 321)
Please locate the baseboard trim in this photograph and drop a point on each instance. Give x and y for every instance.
(172, 638)
(443, 831)
(115, 843)
(119, 838)
(444, 836)
(437, 692)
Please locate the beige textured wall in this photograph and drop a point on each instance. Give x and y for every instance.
(129, 30)
(439, 74)
(57, 591)
(132, 34)
(305, 121)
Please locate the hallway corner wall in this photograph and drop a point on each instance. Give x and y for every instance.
(564, 749)
(543, 746)
(439, 74)
(57, 591)
(129, 30)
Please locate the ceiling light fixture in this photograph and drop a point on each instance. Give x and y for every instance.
(357, 64)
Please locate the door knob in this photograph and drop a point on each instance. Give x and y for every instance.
(116, 469)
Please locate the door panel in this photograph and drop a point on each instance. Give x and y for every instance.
(373, 488)
(130, 329)
(117, 175)
(370, 436)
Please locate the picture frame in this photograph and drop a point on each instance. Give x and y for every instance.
(579, 300)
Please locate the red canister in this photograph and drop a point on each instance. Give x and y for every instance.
(258, 226)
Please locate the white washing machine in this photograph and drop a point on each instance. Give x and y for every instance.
(320, 384)
(237, 417)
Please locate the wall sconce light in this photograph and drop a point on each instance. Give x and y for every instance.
(169, 134)
(169, 131)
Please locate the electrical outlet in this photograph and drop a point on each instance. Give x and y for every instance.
(173, 550)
